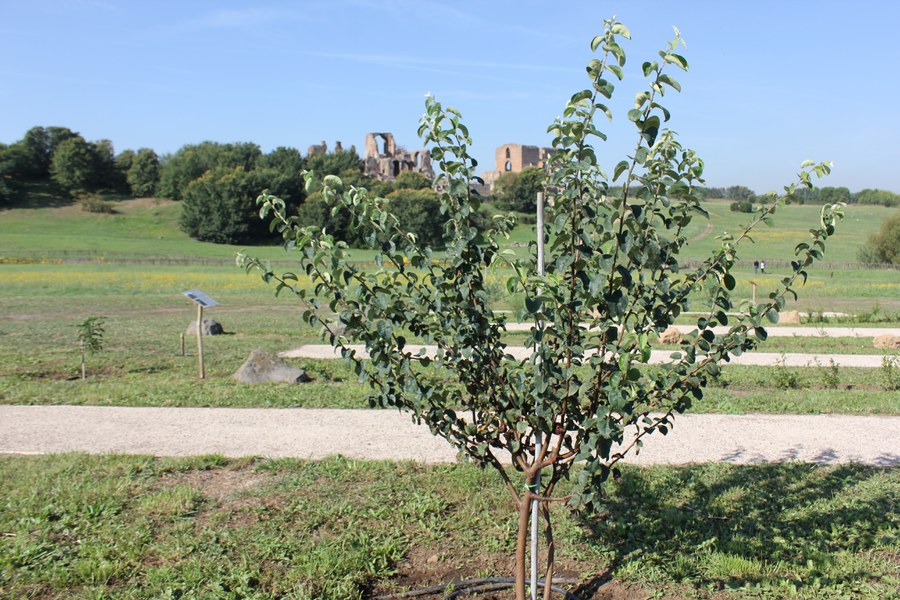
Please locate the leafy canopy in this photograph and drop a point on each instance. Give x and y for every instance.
(613, 281)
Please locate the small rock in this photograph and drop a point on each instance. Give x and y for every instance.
(432, 559)
(671, 336)
(789, 317)
(264, 367)
(887, 342)
(210, 327)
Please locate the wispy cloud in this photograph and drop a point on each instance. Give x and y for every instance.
(439, 65)
(243, 18)
(419, 9)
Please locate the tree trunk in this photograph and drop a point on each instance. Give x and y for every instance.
(522, 539)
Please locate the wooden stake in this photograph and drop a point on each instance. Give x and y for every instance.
(200, 340)
(83, 368)
(182, 344)
(753, 283)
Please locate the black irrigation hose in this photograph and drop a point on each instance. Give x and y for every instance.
(467, 586)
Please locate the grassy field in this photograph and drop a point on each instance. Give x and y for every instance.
(79, 526)
(139, 527)
(146, 314)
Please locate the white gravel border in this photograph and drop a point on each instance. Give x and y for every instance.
(324, 351)
(391, 435)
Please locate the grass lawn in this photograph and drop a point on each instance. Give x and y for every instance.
(80, 526)
(141, 364)
(76, 526)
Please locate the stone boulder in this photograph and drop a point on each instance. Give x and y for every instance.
(670, 336)
(789, 317)
(887, 342)
(264, 367)
(210, 327)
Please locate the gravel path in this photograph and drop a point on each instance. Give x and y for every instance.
(324, 351)
(387, 434)
(777, 331)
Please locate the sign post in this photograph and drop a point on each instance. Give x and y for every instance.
(201, 300)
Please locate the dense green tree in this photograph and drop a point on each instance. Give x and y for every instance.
(883, 247)
(518, 191)
(419, 212)
(143, 174)
(40, 144)
(317, 212)
(6, 179)
(880, 197)
(15, 163)
(74, 165)
(334, 163)
(288, 164)
(740, 192)
(106, 175)
(412, 180)
(832, 195)
(192, 161)
(124, 160)
(219, 206)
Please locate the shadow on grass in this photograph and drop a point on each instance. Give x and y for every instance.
(720, 526)
(43, 194)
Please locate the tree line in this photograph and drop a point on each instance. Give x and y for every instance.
(743, 198)
(217, 184)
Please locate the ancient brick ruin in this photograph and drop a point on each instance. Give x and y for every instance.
(385, 160)
(512, 158)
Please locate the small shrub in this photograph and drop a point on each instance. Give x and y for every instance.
(93, 204)
(90, 337)
(831, 376)
(744, 206)
(784, 378)
(890, 373)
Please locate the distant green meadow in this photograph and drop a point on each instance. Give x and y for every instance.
(60, 265)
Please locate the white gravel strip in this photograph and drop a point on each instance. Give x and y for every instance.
(324, 351)
(390, 435)
(776, 331)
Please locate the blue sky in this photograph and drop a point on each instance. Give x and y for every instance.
(771, 83)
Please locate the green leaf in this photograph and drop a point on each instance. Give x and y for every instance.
(619, 29)
(668, 80)
(533, 305)
(635, 115)
(677, 60)
(620, 168)
(595, 43)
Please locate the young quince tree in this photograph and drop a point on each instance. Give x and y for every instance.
(584, 398)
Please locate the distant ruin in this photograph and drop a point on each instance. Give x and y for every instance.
(384, 160)
(323, 148)
(513, 158)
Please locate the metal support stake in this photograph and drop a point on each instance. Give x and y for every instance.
(538, 437)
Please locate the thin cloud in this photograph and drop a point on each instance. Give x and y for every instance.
(399, 61)
(243, 18)
(434, 11)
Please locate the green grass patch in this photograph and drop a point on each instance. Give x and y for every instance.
(99, 527)
(146, 314)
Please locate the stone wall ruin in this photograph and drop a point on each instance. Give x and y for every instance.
(384, 160)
